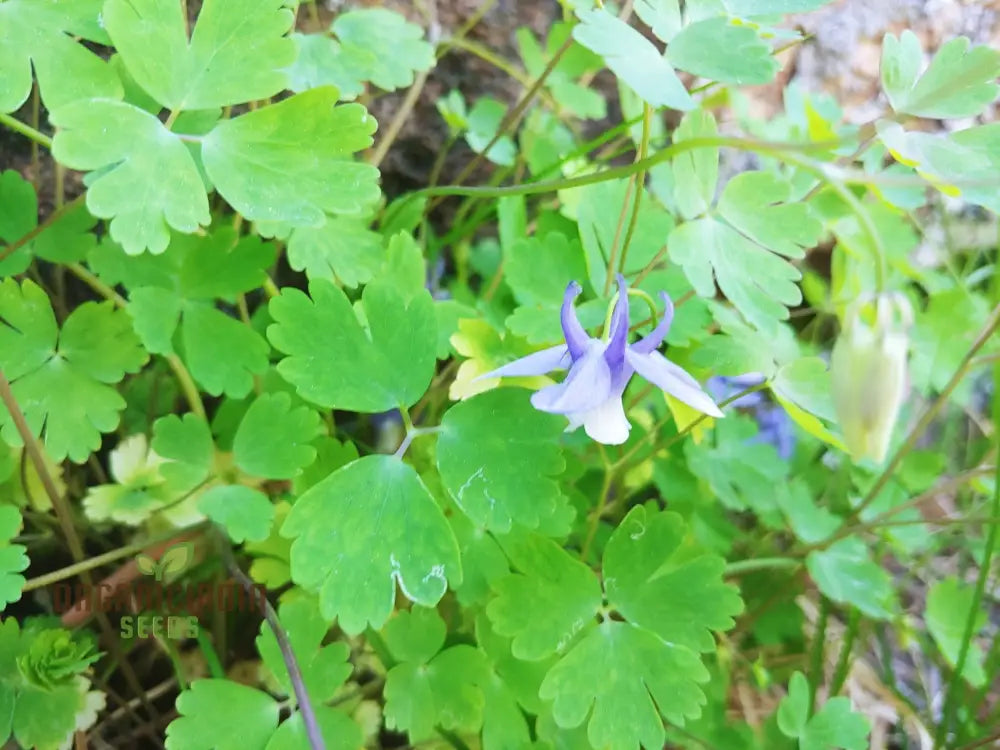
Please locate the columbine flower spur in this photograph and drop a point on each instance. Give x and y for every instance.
(599, 371)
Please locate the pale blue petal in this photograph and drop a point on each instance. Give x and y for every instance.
(615, 353)
(667, 376)
(607, 423)
(654, 338)
(587, 386)
(576, 337)
(538, 363)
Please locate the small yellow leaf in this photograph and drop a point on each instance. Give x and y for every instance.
(810, 423)
(685, 416)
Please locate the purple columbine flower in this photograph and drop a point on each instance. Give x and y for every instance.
(599, 371)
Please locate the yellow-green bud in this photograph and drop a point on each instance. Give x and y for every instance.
(868, 373)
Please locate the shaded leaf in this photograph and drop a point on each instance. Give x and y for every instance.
(290, 162)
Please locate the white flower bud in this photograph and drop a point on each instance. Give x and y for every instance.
(868, 373)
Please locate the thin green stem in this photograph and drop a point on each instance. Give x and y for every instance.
(823, 173)
(29, 236)
(609, 274)
(396, 125)
(602, 500)
(627, 170)
(448, 44)
(511, 119)
(36, 110)
(26, 130)
(648, 268)
(847, 646)
(957, 679)
(487, 55)
(882, 519)
(640, 183)
(759, 563)
(108, 557)
(210, 655)
(816, 653)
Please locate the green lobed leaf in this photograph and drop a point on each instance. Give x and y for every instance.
(338, 730)
(18, 216)
(64, 388)
(663, 16)
(244, 512)
(415, 635)
(332, 361)
(655, 582)
(368, 526)
(510, 690)
(575, 61)
(429, 688)
(39, 36)
(846, 574)
(290, 162)
(481, 125)
(538, 269)
(222, 353)
(696, 172)
(834, 725)
(331, 454)
(382, 47)
(219, 714)
(483, 561)
(324, 668)
(947, 613)
(178, 288)
(186, 444)
(804, 388)
(614, 676)
(740, 474)
(721, 50)
(959, 82)
(47, 719)
(742, 253)
(633, 58)
(68, 239)
(143, 177)
(809, 521)
(13, 560)
(210, 69)
(498, 457)
(274, 439)
(321, 61)
(342, 250)
(545, 605)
